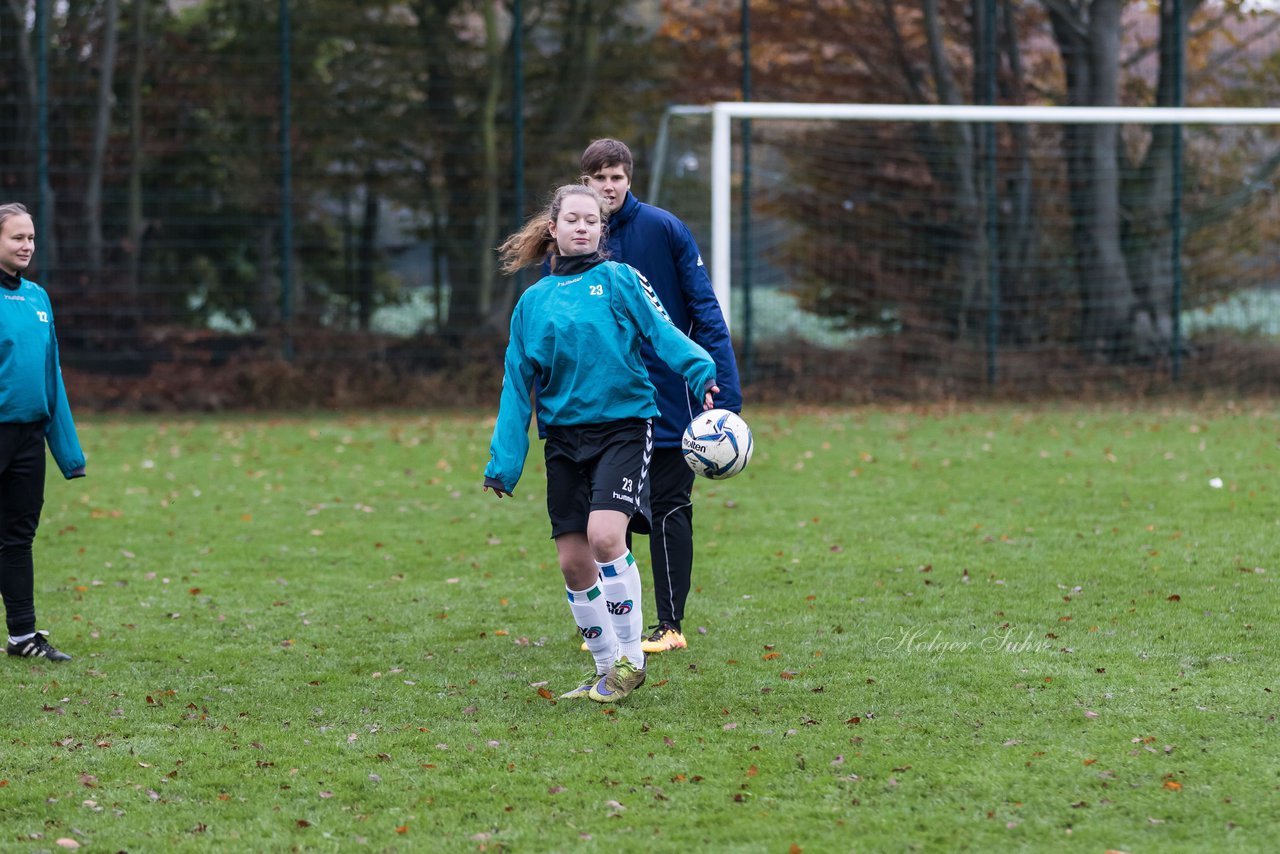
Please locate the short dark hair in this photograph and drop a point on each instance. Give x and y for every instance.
(604, 153)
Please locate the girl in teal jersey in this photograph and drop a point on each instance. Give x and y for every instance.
(575, 340)
(33, 410)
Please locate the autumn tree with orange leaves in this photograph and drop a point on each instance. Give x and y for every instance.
(903, 244)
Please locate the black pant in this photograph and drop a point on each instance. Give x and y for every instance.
(671, 539)
(22, 463)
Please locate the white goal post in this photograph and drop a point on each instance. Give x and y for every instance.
(724, 112)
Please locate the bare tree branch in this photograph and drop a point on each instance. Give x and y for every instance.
(1071, 14)
(909, 71)
(943, 83)
(1256, 183)
(1216, 62)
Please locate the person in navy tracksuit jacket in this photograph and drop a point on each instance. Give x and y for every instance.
(33, 410)
(661, 247)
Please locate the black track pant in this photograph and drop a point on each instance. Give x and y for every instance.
(671, 541)
(22, 463)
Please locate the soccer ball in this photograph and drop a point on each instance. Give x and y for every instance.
(717, 444)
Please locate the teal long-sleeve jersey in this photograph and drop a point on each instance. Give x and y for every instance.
(31, 388)
(576, 338)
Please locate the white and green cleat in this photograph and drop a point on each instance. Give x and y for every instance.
(584, 687)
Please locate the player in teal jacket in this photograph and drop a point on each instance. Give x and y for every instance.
(33, 410)
(577, 334)
(576, 337)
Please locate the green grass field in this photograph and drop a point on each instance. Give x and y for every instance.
(981, 629)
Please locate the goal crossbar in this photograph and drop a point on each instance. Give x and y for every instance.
(724, 112)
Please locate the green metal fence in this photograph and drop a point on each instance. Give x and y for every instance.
(257, 197)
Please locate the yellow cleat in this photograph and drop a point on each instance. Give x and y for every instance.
(623, 678)
(665, 637)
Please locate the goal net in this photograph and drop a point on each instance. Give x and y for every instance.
(881, 251)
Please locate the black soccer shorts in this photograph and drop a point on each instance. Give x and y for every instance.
(597, 467)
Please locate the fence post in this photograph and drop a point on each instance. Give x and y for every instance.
(1175, 207)
(286, 181)
(517, 126)
(44, 193)
(748, 356)
(988, 96)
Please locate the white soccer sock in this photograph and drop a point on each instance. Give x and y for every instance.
(621, 585)
(594, 624)
(21, 638)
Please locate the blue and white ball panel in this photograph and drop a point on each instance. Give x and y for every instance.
(717, 444)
